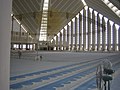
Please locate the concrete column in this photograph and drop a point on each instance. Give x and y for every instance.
(27, 36)
(80, 31)
(71, 35)
(52, 45)
(60, 44)
(5, 38)
(21, 46)
(20, 32)
(12, 26)
(109, 36)
(89, 28)
(103, 34)
(56, 42)
(93, 30)
(84, 29)
(119, 38)
(32, 46)
(12, 32)
(98, 32)
(67, 37)
(106, 34)
(64, 39)
(76, 33)
(115, 36)
(26, 46)
(20, 37)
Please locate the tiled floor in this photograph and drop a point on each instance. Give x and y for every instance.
(59, 70)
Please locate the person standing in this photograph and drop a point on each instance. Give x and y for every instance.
(19, 54)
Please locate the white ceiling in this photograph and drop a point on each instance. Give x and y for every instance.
(60, 12)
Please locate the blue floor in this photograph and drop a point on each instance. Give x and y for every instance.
(66, 69)
(29, 82)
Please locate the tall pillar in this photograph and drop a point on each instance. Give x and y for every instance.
(103, 34)
(89, 28)
(101, 16)
(109, 35)
(52, 46)
(93, 30)
(20, 32)
(5, 38)
(98, 32)
(60, 44)
(12, 26)
(56, 42)
(26, 46)
(84, 29)
(119, 38)
(71, 35)
(22, 46)
(64, 39)
(32, 46)
(76, 33)
(12, 32)
(27, 37)
(67, 37)
(106, 34)
(80, 31)
(114, 37)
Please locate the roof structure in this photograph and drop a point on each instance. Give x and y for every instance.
(60, 12)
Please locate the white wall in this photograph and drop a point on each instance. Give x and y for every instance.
(5, 36)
